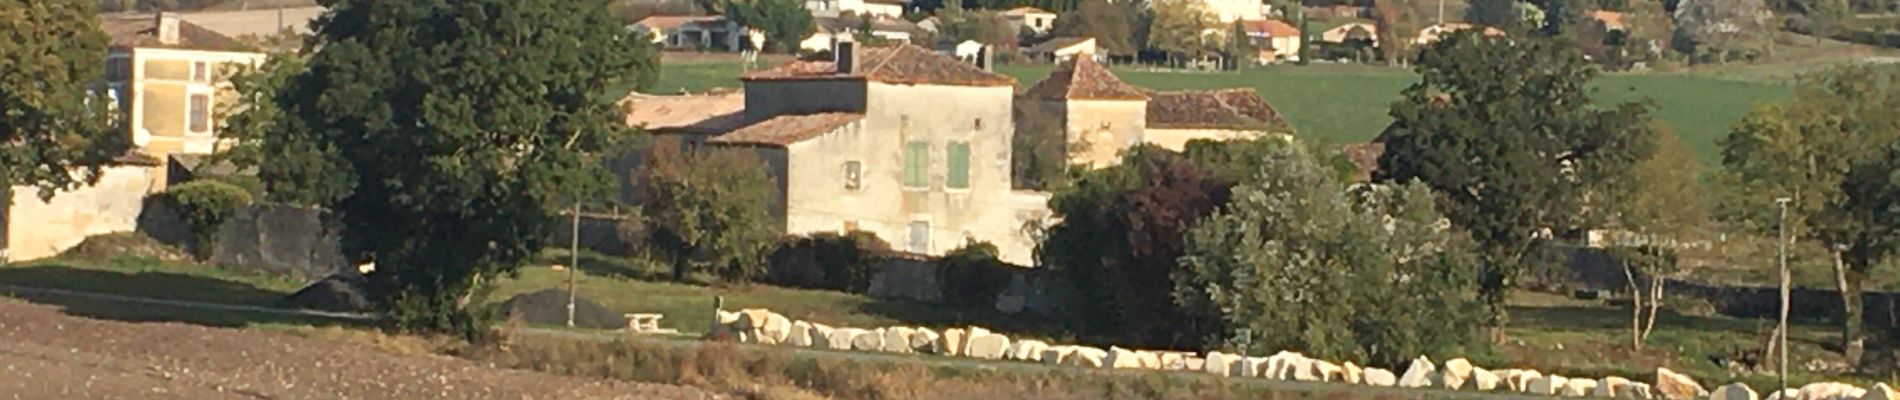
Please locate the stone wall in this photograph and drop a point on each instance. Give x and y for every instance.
(275, 239)
(39, 228)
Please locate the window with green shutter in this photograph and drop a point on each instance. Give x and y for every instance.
(916, 164)
(959, 160)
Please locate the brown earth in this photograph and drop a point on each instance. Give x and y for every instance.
(45, 354)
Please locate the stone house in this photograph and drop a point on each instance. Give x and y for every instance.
(1063, 48)
(834, 8)
(1177, 117)
(1277, 40)
(692, 32)
(1431, 33)
(1031, 19)
(1083, 111)
(833, 30)
(168, 78)
(1351, 31)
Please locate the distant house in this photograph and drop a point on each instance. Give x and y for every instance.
(679, 122)
(967, 50)
(833, 30)
(1178, 117)
(928, 24)
(1087, 114)
(1610, 20)
(835, 8)
(1063, 48)
(1228, 11)
(169, 78)
(692, 32)
(239, 24)
(1352, 31)
(1277, 40)
(1031, 19)
(1432, 33)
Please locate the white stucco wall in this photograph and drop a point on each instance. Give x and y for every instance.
(1098, 130)
(143, 84)
(1231, 10)
(818, 201)
(43, 228)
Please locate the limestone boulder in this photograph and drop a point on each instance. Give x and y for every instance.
(1548, 384)
(1578, 387)
(1483, 380)
(821, 335)
(1087, 357)
(1830, 391)
(1610, 386)
(1419, 374)
(1454, 374)
(1173, 361)
(724, 322)
(924, 341)
(1791, 393)
(1251, 367)
(1288, 366)
(776, 328)
(1026, 350)
(845, 338)
(1676, 386)
(897, 339)
(968, 335)
(1637, 390)
(1733, 391)
(1057, 355)
(987, 346)
(1380, 377)
(1192, 363)
(1149, 359)
(1519, 380)
(869, 341)
(1881, 391)
(1120, 358)
(801, 334)
(1217, 363)
(1354, 374)
(1328, 371)
(951, 344)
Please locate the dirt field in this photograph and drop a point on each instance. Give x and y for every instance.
(45, 354)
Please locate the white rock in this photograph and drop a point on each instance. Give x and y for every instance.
(1881, 391)
(1455, 373)
(1521, 380)
(1419, 374)
(1217, 363)
(1830, 391)
(724, 321)
(951, 343)
(1057, 355)
(776, 328)
(1026, 350)
(1610, 387)
(869, 341)
(1328, 372)
(1676, 386)
(1253, 367)
(924, 341)
(1637, 390)
(968, 336)
(1121, 358)
(1785, 394)
(1734, 391)
(1483, 380)
(1354, 374)
(1288, 366)
(1380, 377)
(1148, 359)
(987, 346)
(1579, 387)
(843, 338)
(897, 339)
(821, 335)
(1173, 361)
(1192, 363)
(801, 334)
(1088, 357)
(1548, 384)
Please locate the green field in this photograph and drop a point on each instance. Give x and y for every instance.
(1340, 103)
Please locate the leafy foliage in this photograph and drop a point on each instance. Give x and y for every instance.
(1107, 23)
(55, 132)
(204, 206)
(1120, 241)
(1722, 30)
(1505, 132)
(299, 171)
(1830, 152)
(828, 261)
(956, 24)
(708, 209)
(462, 128)
(1185, 28)
(785, 22)
(972, 277)
(1298, 261)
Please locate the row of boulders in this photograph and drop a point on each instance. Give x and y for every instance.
(765, 327)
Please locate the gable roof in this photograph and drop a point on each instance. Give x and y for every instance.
(836, 24)
(1052, 45)
(1236, 108)
(141, 30)
(1021, 11)
(664, 22)
(900, 64)
(784, 130)
(1083, 79)
(698, 114)
(1270, 28)
(1610, 19)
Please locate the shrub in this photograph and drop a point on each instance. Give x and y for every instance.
(972, 277)
(828, 261)
(204, 206)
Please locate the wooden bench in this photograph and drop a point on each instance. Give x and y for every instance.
(647, 324)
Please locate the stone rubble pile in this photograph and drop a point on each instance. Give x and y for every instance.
(760, 326)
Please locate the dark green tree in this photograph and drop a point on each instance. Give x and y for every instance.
(1107, 23)
(1502, 14)
(708, 211)
(463, 129)
(300, 171)
(1299, 261)
(1507, 134)
(784, 22)
(1829, 151)
(55, 132)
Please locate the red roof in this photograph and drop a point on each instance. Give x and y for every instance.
(664, 22)
(1083, 79)
(787, 129)
(1270, 28)
(130, 31)
(901, 64)
(1236, 108)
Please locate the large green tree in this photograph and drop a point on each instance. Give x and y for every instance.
(784, 22)
(1107, 23)
(1298, 260)
(1185, 29)
(299, 170)
(463, 128)
(707, 210)
(1507, 134)
(1828, 151)
(55, 131)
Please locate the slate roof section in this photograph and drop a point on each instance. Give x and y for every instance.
(898, 64)
(1233, 109)
(784, 130)
(712, 113)
(141, 31)
(1083, 79)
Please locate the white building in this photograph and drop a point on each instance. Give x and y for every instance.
(1238, 10)
(692, 32)
(833, 30)
(833, 8)
(1031, 19)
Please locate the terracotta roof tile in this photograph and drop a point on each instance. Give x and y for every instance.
(1366, 156)
(1083, 79)
(787, 129)
(900, 64)
(1060, 43)
(1026, 11)
(701, 114)
(664, 22)
(129, 31)
(1237, 108)
(1270, 28)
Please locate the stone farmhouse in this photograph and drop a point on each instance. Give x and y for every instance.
(1094, 116)
(686, 32)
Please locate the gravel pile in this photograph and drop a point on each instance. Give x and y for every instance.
(549, 307)
(340, 292)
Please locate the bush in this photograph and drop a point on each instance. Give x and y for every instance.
(972, 277)
(204, 206)
(828, 261)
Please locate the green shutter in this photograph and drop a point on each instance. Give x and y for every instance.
(916, 164)
(959, 165)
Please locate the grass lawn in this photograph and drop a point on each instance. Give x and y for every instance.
(150, 278)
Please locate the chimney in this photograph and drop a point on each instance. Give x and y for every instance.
(985, 57)
(845, 55)
(167, 28)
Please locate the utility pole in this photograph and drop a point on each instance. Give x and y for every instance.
(1441, 12)
(573, 261)
(1781, 329)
